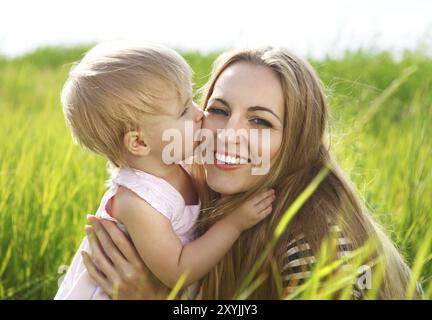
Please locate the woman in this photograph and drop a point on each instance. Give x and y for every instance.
(266, 88)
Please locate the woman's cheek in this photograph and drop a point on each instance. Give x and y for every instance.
(213, 122)
(207, 124)
(266, 147)
(275, 144)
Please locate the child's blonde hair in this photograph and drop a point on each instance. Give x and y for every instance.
(114, 85)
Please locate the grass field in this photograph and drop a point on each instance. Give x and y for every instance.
(381, 134)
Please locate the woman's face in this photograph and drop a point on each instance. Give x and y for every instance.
(245, 97)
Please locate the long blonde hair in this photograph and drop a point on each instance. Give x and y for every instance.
(303, 153)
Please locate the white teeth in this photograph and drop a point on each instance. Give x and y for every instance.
(230, 160)
(220, 157)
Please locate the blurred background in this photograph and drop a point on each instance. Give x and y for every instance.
(374, 58)
(308, 27)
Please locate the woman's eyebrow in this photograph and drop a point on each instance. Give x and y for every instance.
(254, 108)
(259, 108)
(224, 102)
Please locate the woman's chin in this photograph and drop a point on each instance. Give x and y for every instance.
(225, 182)
(224, 190)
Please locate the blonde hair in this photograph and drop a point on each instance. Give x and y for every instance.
(303, 153)
(114, 86)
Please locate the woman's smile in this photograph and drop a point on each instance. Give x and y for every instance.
(224, 161)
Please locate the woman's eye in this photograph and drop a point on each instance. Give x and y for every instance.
(262, 122)
(217, 111)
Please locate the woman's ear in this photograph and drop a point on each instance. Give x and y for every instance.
(135, 143)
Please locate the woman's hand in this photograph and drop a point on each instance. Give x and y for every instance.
(114, 264)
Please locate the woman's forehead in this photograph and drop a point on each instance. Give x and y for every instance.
(247, 84)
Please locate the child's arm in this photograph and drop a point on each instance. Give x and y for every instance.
(162, 251)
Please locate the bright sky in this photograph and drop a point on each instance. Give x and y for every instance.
(305, 26)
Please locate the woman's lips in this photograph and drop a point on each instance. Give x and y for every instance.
(224, 166)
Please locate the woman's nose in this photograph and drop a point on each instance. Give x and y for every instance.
(233, 132)
(235, 123)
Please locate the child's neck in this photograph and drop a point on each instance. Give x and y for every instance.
(156, 167)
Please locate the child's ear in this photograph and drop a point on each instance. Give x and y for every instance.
(135, 143)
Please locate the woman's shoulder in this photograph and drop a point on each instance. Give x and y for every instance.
(298, 259)
(298, 251)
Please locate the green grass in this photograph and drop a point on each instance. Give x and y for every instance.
(381, 112)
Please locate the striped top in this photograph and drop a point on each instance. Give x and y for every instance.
(299, 261)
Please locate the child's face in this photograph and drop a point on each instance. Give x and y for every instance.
(177, 129)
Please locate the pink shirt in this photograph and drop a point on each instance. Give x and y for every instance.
(162, 196)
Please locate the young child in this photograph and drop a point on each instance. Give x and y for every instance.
(117, 102)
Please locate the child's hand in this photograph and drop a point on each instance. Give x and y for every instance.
(252, 210)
